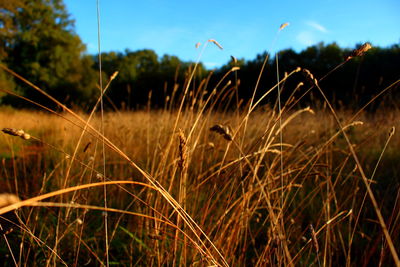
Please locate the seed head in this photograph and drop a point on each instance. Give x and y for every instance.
(284, 25)
(234, 59)
(216, 43)
(360, 51)
(310, 76)
(114, 75)
(15, 132)
(182, 163)
(392, 130)
(222, 130)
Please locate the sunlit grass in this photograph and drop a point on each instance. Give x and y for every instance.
(225, 192)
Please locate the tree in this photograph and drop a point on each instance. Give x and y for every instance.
(7, 29)
(39, 42)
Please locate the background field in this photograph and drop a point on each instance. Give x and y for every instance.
(247, 216)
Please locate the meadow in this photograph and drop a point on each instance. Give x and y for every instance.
(199, 183)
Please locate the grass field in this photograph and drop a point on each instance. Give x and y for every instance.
(246, 193)
(200, 183)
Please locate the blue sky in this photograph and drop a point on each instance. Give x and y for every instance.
(243, 28)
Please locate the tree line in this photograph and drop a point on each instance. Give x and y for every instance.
(347, 83)
(38, 41)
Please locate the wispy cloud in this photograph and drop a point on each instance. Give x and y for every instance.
(315, 25)
(306, 38)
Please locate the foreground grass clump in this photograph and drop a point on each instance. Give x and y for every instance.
(237, 196)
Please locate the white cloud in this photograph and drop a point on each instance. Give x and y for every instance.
(315, 25)
(306, 38)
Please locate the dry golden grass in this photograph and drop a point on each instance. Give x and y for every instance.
(199, 185)
(231, 189)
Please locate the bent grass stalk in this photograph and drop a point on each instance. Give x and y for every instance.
(36, 201)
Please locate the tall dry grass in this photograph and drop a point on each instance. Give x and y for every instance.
(202, 184)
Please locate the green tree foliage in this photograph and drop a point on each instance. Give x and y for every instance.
(8, 26)
(142, 72)
(7, 32)
(353, 84)
(39, 42)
